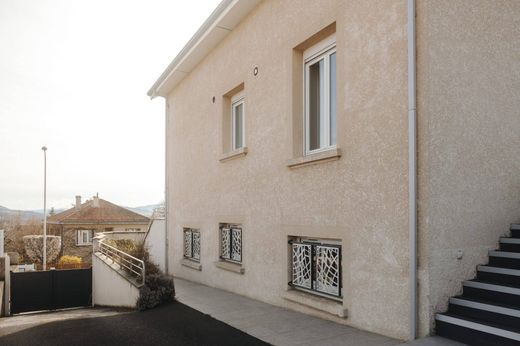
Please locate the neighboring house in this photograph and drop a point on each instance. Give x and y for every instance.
(78, 225)
(291, 152)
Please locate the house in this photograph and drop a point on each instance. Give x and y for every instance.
(353, 160)
(78, 225)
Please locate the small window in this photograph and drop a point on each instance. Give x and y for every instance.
(192, 244)
(238, 121)
(320, 96)
(316, 266)
(231, 243)
(84, 237)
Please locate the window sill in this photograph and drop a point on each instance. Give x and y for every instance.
(316, 302)
(191, 264)
(235, 154)
(90, 244)
(232, 267)
(312, 159)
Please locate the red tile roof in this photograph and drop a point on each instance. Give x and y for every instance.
(104, 213)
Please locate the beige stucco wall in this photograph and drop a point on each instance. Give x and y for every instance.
(469, 139)
(360, 199)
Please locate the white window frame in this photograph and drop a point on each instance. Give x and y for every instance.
(236, 101)
(322, 50)
(79, 237)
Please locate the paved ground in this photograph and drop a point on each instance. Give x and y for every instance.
(179, 324)
(173, 324)
(280, 326)
(9, 325)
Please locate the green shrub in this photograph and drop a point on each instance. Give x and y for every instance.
(158, 289)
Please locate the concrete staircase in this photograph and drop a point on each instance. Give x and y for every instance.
(488, 311)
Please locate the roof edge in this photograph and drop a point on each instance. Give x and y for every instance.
(227, 15)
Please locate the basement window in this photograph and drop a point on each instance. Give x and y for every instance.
(84, 237)
(231, 243)
(192, 244)
(316, 266)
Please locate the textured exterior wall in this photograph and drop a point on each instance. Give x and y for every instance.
(109, 288)
(469, 139)
(360, 199)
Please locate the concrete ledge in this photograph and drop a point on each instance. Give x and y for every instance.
(232, 267)
(315, 302)
(312, 159)
(191, 264)
(233, 154)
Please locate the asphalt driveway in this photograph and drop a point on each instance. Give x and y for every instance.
(172, 324)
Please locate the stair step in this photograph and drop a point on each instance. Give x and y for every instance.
(510, 244)
(498, 275)
(515, 230)
(489, 312)
(474, 332)
(504, 259)
(510, 240)
(504, 294)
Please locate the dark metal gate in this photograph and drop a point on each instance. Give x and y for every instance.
(50, 290)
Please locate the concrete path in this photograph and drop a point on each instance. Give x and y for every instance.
(281, 326)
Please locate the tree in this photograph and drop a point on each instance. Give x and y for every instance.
(52, 212)
(34, 247)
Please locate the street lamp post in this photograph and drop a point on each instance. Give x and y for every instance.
(44, 207)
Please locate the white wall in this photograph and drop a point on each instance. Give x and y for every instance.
(155, 241)
(109, 288)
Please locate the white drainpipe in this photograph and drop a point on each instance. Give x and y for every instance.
(412, 167)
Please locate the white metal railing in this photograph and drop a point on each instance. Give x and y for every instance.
(132, 265)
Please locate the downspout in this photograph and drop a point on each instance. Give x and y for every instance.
(412, 167)
(166, 194)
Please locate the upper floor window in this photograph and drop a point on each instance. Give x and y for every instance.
(192, 244)
(84, 237)
(238, 121)
(320, 95)
(231, 242)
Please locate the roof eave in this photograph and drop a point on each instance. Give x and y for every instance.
(227, 15)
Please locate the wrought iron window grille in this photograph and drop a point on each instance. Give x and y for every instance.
(231, 243)
(316, 267)
(192, 244)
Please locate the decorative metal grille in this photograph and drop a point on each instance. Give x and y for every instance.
(225, 240)
(187, 243)
(231, 243)
(236, 245)
(328, 269)
(192, 244)
(316, 267)
(196, 245)
(301, 265)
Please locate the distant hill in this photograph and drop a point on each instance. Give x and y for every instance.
(146, 210)
(24, 215)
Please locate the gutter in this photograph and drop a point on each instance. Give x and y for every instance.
(412, 167)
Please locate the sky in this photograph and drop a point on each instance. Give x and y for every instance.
(73, 77)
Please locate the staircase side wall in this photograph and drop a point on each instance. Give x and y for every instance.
(469, 140)
(109, 288)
